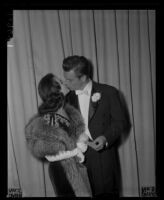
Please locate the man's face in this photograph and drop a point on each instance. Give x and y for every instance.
(73, 82)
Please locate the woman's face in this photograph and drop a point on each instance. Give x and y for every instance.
(64, 88)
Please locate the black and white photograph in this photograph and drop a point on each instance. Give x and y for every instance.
(81, 103)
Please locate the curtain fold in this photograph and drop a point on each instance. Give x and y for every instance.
(121, 46)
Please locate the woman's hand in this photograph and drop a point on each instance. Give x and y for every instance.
(80, 155)
(82, 142)
(82, 146)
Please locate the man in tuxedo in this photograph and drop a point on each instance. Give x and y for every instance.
(104, 118)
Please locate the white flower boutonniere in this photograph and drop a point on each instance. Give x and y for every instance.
(96, 97)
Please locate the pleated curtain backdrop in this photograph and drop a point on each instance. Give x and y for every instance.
(121, 47)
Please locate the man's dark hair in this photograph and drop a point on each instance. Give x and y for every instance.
(79, 64)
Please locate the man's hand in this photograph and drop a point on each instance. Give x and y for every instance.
(99, 143)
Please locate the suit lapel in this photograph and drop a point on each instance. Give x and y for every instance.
(93, 105)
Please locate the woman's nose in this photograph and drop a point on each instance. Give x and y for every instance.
(62, 82)
(65, 84)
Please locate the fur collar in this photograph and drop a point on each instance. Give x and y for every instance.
(77, 123)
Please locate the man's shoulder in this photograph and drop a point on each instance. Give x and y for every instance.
(105, 87)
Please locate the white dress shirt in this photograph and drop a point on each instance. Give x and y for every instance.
(84, 100)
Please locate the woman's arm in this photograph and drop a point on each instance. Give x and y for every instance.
(82, 142)
(65, 155)
(44, 140)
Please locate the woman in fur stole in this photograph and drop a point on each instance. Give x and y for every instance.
(57, 134)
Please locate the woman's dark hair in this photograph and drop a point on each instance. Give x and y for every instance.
(79, 64)
(50, 93)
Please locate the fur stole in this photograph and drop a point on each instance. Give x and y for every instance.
(43, 139)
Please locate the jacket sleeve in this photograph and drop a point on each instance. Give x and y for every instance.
(118, 122)
(42, 141)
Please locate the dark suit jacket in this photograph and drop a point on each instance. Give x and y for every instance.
(106, 117)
